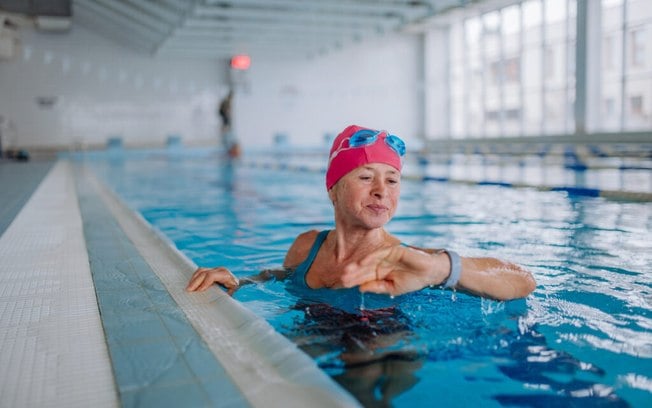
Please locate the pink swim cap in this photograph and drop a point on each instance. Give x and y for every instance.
(343, 158)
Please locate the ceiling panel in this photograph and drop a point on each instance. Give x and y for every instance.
(221, 28)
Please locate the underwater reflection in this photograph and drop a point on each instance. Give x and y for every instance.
(377, 355)
(555, 377)
(367, 353)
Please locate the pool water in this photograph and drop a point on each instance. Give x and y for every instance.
(583, 338)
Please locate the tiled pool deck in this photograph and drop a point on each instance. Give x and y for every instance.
(93, 312)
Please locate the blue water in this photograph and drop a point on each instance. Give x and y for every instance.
(583, 338)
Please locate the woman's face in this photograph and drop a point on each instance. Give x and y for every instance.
(367, 196)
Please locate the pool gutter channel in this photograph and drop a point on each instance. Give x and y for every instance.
(267, 367)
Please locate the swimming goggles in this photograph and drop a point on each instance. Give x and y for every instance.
(366, 137)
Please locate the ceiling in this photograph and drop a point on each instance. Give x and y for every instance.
(221, 28)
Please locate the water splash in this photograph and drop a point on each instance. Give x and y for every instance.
(489, 306)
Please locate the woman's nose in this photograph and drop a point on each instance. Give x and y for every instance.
(379, 189)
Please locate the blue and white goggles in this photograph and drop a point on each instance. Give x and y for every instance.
(366, 137)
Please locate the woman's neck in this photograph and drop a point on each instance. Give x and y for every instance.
(350, 243)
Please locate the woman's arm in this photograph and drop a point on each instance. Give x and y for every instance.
(399, 269)
(204, 278)
(496, 279)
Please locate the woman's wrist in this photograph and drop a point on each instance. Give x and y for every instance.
(453, 267)
(441, 268)
(456, 269)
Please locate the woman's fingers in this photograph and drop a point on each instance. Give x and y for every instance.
(377, 256)
(197, 272)
(355, 274)
(373, 267)
(195, 280)
(378, 286)
(203, 278)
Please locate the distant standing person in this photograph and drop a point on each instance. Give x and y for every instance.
(228, 138)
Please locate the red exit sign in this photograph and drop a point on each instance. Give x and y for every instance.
(241, 62)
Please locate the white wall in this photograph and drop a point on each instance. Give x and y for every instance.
(105, 90)
(373, 83)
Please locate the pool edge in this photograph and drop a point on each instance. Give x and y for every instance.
(268, 368)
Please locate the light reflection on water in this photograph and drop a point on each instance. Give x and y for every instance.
(583, 337)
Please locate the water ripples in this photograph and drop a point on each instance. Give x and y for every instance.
(585, 334)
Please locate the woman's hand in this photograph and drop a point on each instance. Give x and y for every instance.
(397, 270)
(203, 278)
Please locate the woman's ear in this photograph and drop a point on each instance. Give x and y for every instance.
(331, 194)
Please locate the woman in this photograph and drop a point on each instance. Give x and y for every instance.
(364, 182)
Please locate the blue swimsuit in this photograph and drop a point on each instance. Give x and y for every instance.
(299, 275)
(350, 300)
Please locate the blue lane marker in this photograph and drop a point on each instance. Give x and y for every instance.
(432, 178)
(578, 191)
(495, 183)
(158, 358)
(634, 168)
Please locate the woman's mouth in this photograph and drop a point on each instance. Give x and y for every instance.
(377, 208)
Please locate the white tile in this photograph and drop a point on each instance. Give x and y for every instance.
(52, 347)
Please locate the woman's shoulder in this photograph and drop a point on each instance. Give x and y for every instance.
(306, 239)
(308, 235)
(426, 250)
(300, 248)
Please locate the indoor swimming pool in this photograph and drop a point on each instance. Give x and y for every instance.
(583, 338)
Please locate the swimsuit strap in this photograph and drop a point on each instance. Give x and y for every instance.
(299, 275)
(301, 270)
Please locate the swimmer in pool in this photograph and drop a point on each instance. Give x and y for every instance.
(363, 181)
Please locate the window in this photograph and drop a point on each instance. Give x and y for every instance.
(637, 47)
(495, 72)
(513, 114)
(550, 63)
(625, 81)
(508, 70)
(513, 68)
(609, 107)
(608, 53)
(515, 61)
(636, 106)
(492, 115)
